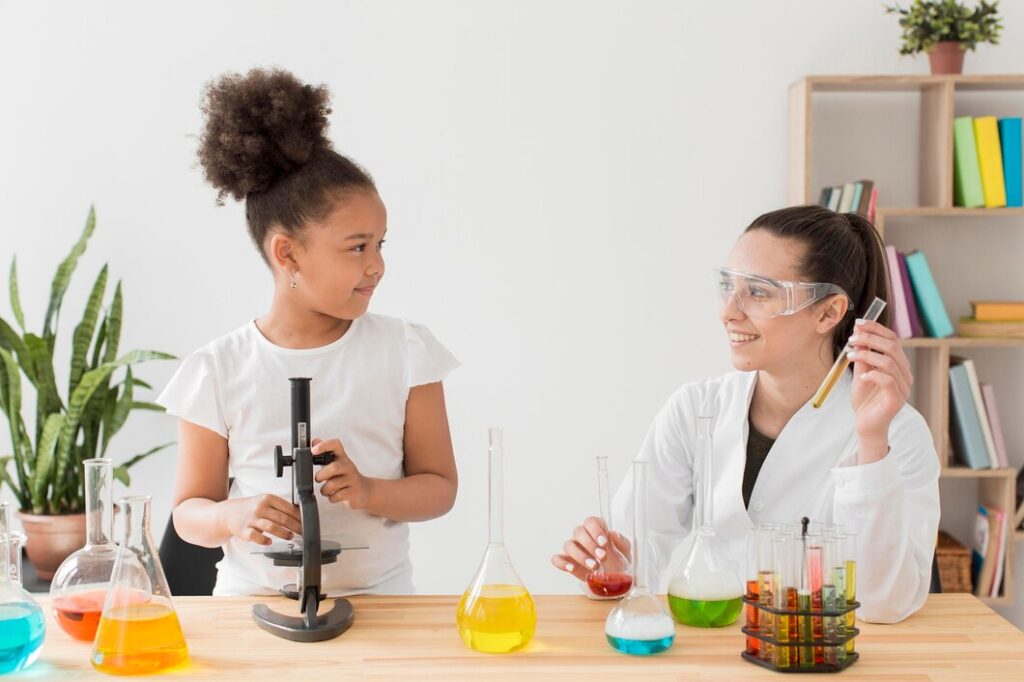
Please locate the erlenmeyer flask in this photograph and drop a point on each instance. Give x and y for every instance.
(707, 591)
(613, 576)
(22, 625)
(496, 614)
(639, 623)
(79, 586)
(139, 631)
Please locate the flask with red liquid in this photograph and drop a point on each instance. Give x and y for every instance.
(612, 577)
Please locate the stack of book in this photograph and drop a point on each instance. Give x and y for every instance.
(994, 318)
(853, 197)
(916, 304)
(976, 432)
(987, 162)
(989, 554)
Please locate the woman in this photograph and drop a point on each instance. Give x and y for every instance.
(792, 291)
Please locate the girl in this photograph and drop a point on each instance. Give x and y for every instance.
(790, 292)
(376, 396)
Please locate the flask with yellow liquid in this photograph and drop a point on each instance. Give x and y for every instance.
(496, 614)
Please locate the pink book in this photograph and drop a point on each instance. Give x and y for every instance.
(988, 396)
(1000, 539)
(901, 318)
(871, 204)
(915, 320)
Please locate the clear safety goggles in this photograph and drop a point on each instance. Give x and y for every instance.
(761, 298)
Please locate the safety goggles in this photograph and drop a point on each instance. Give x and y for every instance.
(761, 298)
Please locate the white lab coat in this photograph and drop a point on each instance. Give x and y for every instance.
(811, 470)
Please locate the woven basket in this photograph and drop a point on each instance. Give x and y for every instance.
(954, 564)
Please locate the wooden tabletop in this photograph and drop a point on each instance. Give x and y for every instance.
(955, 637)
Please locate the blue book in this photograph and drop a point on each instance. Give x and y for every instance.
(1010, 142)
(858, 188)
(929, 302)
(965, 422)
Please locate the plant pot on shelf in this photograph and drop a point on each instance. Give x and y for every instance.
(947, 57)
(51, 538)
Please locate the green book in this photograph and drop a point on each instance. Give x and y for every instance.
(967, 189)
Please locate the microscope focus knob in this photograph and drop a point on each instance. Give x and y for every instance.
(281, 460)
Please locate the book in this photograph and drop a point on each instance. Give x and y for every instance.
(826, 192)
(998, 310)
(964, 421)
(873, 204)
(858, 190)
(980, 549)
(990, 161)
(1010, 144)
(908, 292)
(998, 537)
(1000, 329)
(833, 200)
(979, 406)
(898, 301)
(929, 300)
(865, 207)
(988, 395)
(966, 172)
(847, 198)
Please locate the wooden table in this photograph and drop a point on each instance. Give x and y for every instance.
(955, 637)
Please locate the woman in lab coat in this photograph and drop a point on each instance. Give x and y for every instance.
(792, 292)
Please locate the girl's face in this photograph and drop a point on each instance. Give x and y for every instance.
(338, 261)
(778, 343)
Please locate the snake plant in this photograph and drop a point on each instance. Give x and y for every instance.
(47, 475)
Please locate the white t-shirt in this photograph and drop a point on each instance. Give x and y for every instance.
(238, 387)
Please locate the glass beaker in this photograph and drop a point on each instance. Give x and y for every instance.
(139, 631)
(496, 614)
(707, 590)
(22, 624)
(613, 576)
(79, 586)
(639, 624)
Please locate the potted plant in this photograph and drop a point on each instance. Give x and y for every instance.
(945, 29)
(47, 477)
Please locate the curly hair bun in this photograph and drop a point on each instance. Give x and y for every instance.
(260, 127)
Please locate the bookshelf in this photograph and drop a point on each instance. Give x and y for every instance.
(937, 102)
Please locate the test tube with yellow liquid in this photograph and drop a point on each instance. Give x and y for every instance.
(496, 614)
(843, 361)
(139, 632)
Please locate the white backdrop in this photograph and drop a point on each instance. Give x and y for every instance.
(560, 176)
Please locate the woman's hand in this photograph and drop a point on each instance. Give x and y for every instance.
(341, 480)
(254, 518)
(881, 386)
(584, 550)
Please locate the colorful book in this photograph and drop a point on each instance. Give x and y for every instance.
(1000, 329)
(998, 310)
(833, 199)
(965, 424)
(926, 293)
(864, 208)
(872, 204)
(847, 198)
(898, 300)
(979, 406)
(1010, 143)
(967, 189)
(998, 536)
(826, 192)
(980, 549)
(858, 190)
(988, 394)
(915, 319)
(990, 161)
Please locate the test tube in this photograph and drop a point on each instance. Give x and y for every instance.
(803, 600)
(785, 656)
(830, 599)
(850, 559)
(843, 361)
(766, 588)
(837, 566)
(752, 591)
(814, 577)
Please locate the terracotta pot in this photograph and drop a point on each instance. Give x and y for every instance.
(51, 538)
(947, 57)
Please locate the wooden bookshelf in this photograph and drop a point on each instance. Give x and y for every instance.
(996, 487)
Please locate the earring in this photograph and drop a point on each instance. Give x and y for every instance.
(294, 285)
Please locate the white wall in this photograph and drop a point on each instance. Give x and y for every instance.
(560, 176)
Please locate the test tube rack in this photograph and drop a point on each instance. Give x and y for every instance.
(799, 646)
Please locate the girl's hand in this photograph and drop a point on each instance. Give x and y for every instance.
(253, 518)
(881, 385)
(584, 549)
(341, 480)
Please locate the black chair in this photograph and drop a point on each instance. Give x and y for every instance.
(191, 570)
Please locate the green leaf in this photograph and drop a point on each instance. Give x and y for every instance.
(101, 338)
(42, 476)
(19, 316)
(114, 325)
(10, 340)
(148, 406)
(62, 278)
(121, 410)
(47, 399)
(10, 395)
(121, 474)
(5, 477)
(86, 328)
